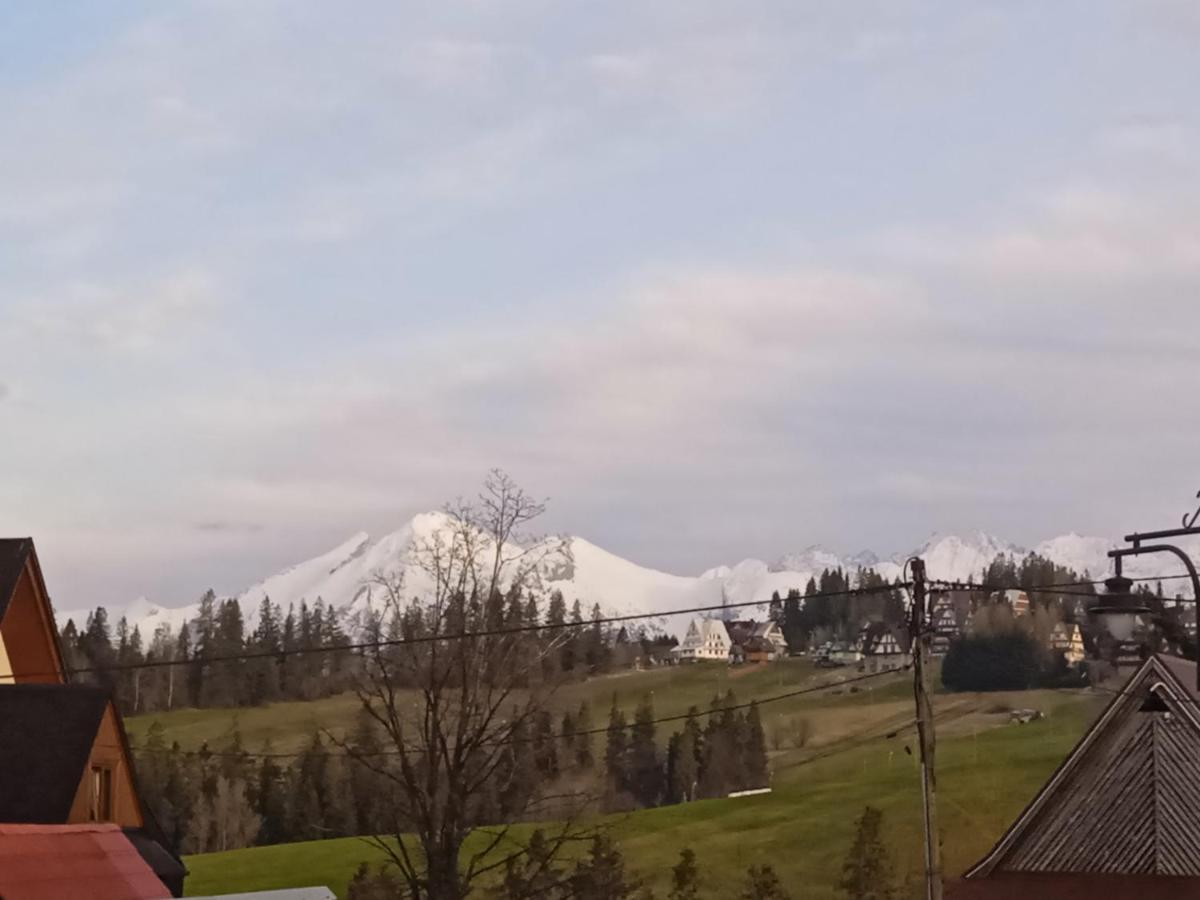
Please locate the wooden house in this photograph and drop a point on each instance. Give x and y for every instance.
(64, 756)
(756, 642)
(950, 614)
(1121, 815)
(883, 648)
(1067, 639)
(29, 648)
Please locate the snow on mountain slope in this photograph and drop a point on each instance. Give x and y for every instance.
(344, 576)
(955, 558)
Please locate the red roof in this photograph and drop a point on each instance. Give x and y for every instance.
(94, 861)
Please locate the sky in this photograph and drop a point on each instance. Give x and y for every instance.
(719, 280)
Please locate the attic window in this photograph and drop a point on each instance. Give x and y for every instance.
(100, 809)
(1153, 701)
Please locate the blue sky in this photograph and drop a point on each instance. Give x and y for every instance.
(720, 279)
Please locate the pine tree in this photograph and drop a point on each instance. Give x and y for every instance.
(616, 749)
(545, 747)
(270, 800)
(720, 759)
(683, 768)
(585, 756)
(96, 644)
(264, 672)
(645, 771)
(763, 884)
(556, 618)
(867, 871)
(601, 875)
(685, 877)
(755, 749)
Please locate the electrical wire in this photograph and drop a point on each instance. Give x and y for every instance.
(733, 707)
(437, 638)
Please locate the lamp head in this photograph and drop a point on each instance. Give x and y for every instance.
(1118, 609)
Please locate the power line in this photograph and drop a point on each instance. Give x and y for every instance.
(435, 638)
(775, 698)
(942, 585)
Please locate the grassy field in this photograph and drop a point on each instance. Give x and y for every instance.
(290, 726)
(987, 771)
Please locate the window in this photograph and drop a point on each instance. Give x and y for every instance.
(101, 794)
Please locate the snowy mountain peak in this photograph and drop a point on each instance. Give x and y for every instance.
(347, 576)
(814, 558)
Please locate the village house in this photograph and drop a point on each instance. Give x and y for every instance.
(950, 614)
(755, 642)
(839, 653)
(1121, 815)
(1067, 639)
(705, 639)
(884, 648)
(1017, 600)
(65, 762)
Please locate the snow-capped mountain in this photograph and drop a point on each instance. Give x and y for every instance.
(346, 576)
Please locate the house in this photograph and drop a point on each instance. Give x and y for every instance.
(64, 756)
(1017, 600)
(883, 648)
(1067, 639)
(838, 653)
(29, 648)
(1121, 815)
(55, 862)
(950, 614)
(705, 639)
(756, 641)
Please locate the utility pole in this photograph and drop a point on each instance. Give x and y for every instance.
(922, 638)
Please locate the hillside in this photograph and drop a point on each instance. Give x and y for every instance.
(987, 771)
(342, 576)
(289, 726)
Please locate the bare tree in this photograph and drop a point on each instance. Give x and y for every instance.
(459, 713)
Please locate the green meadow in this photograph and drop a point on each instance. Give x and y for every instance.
(857, 754)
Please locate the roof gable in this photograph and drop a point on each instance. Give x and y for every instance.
(1127, 798)
(13, 554)
(27, 627)
(47, 736)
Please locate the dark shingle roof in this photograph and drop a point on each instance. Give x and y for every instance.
(1127, 799)
(13, 554)
(46, 739)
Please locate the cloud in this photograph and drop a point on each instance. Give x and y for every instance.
(228, 527)
(1158, 139)
(141, 318)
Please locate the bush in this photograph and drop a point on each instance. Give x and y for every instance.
(1009, 661)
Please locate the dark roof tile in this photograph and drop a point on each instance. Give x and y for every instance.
(48, 733)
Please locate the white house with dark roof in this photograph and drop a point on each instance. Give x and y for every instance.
(705, 639)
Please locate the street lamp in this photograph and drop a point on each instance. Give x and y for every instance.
(1119, 610)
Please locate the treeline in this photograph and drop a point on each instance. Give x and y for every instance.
(1000, 650)
(728, 753)
(809, 619)
(227, 797)
(600, 874)
(305, 652)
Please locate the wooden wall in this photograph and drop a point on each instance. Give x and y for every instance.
(108, 751)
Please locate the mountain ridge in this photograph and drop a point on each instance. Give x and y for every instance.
(345, 576)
